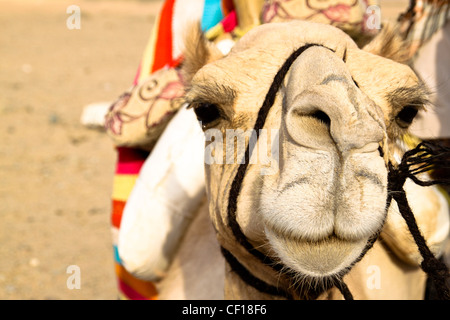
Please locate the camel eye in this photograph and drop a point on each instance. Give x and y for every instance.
(207, 113)
(406, 116)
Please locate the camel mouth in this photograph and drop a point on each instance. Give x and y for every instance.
(325, 258)
(346, 197)
(320, 233)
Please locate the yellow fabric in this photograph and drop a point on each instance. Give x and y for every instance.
(123, 185)
(147, 58)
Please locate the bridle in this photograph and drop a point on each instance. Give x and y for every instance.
(396, 179)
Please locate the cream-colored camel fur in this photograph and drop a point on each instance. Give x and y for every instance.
(338, 113)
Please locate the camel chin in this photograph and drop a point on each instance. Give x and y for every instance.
(306, 258)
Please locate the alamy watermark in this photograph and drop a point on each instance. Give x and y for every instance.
(231, 148)
(374, 279)
(373, 20)
(74, 20)
(74, 280)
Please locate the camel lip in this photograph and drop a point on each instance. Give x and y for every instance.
(327, 257)
(296, 230)
(302, 240)
(347, 199)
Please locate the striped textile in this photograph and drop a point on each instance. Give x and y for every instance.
(129, 163)
(166, 41)
(162, 51)
(227, 25)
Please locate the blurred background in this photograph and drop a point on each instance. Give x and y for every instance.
(55, 174)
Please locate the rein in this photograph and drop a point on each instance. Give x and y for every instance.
(413, 162)
(419, 160)
(239, 177)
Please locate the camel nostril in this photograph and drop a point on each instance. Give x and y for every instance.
(322, 117)
(380, 150)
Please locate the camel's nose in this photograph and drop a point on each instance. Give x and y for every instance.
(324, 107)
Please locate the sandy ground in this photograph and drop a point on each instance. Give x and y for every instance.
(56, 175)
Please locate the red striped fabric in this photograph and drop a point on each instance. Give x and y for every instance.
(164, 37)
(129, 163)
(130, 160)
(133, 288)
(117, 210)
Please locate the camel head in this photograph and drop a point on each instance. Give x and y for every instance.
(330, 117)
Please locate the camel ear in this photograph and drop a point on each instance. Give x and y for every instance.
(198, 52)
(389, 43)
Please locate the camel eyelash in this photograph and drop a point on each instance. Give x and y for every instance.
(408, 101)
